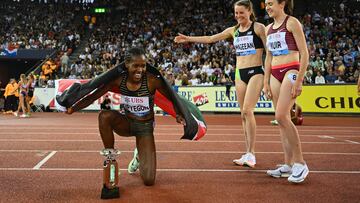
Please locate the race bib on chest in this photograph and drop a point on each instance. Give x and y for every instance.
(276, 44)
(244, 45)
(138, 106)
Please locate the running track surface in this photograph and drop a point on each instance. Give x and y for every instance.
(53, 157)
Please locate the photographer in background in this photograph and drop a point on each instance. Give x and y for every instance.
(106, 104)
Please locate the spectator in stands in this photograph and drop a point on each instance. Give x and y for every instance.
(330, 77)
(42, 80)
(339, 80)
(350, 75)
(319, 65)
(106, 104)
(194, 81)
(357, 73)
(329, 63)
(326, 38)
(178, 80)
(308, 78)
(319, 79)
(50, 83)
(64, 64)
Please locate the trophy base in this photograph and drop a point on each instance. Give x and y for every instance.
(110, 193)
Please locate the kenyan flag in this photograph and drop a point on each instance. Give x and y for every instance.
(195, 125)
(196, 128)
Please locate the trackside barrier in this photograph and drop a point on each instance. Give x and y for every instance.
(314, 99)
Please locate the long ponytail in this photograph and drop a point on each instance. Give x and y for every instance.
(289, 6)
(247, 4)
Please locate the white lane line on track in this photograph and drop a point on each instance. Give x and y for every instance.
(42, 162)
(177, 152)
(174, 170)
(17, 126)
(165, 141)
(177, 134)
(351, 141)
(177, 127)
(338, 139)
(326, 137)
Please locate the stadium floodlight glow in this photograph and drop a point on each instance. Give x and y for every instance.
(100, 10)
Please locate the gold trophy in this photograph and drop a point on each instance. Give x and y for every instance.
(110, 188)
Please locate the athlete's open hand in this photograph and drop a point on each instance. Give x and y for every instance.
(296, 89)
(181, 38)
(267, 91)
(69, 111)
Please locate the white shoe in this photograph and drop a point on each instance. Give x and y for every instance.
(24, 116)
(240, 161)
(134, 163)
(15, 114)
(283, 171)
(299, 173)
(250, 160)
(274, 122)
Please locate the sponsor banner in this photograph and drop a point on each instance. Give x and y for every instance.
(25, 53)
(44, 96)
(214, 99)
(330, 99)
(9, 52)
(201, 99)
(314, 99)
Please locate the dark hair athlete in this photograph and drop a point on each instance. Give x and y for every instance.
(136, 115)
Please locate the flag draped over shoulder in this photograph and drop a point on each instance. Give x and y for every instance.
(195, 125)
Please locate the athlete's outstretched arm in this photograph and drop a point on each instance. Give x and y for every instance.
(89, 99)
(163, 88)
(205, 39)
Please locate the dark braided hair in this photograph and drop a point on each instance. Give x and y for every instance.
(134, 51)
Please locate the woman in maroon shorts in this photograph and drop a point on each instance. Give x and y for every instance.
(285, 64)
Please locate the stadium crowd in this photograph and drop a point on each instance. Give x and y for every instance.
(33, 25)
(332, 39)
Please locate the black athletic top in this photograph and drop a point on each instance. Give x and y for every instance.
(139, 103)
(246, 42)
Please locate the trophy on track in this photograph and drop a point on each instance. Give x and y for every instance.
(110, 188)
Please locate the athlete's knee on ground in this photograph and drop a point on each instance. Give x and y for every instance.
(149, 181)
(148, 178)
